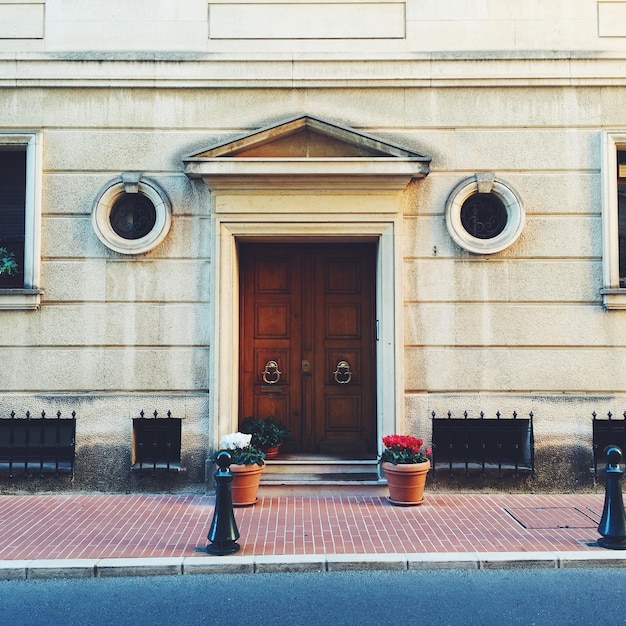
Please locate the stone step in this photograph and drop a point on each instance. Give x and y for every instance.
(330, 475)
(321, 467)
(311, 477)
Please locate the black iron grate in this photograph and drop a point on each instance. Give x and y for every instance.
(156, 443)
(41, 445)
(484, 443)
(607, 432)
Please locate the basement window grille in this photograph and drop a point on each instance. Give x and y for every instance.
(606, 432)
(38, 445)
(156, 443)
(484, 443)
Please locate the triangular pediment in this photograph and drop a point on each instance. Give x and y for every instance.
(309, 153)
(307, 137)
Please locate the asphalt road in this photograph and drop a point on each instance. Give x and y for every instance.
(451, 597)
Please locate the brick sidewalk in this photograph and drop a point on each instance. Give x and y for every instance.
(157, 526)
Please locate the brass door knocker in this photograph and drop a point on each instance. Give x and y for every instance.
(342, 374)
(271, 373)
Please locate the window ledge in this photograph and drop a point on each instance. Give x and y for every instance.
(614, 299)
(19, 299)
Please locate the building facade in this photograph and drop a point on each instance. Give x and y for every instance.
(347, 214)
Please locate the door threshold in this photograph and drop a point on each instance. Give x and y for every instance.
(321, 464)
(321, 478)
(323, 458)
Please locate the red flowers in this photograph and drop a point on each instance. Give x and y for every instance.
(413, 444)
(401, 449)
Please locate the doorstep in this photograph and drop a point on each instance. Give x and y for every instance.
(315, 474)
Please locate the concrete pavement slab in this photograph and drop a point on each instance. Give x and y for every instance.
(347, 562)
(445, 560)
(512, 560)
(13, 570)
(139, 567)
(602, 558)
(61, 568)
(218, 565)
(290, 563)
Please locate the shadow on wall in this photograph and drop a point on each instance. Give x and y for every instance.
(563, 468)
(558, 469)
(106, 469)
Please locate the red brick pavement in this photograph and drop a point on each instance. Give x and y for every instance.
(102, 526)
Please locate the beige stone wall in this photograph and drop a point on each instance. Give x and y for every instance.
(523, 329)
(115, 334)
(519, 330)
(294, 25)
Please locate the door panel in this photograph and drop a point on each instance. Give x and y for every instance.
(309, 309)
(344, 340)
(269, 317)
(271, 321)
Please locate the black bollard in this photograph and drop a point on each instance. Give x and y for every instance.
(612, 525)
(223, 533)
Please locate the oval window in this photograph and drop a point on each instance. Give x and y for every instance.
(484, 218)
(131, 219)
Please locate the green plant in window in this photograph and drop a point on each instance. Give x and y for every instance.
(8, 264)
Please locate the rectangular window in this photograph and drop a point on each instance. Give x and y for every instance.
(156, 444)
(19, 220)
(12, 212)
(621, 213)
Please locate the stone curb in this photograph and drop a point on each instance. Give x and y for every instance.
(108, 567)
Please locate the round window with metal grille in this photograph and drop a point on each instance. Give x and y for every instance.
(484, 214)
(131, 217)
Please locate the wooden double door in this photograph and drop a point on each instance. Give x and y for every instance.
(307, 343)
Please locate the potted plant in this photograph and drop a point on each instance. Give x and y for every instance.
(267, 434)
(248, 463)
(405, 465)
(8, 264)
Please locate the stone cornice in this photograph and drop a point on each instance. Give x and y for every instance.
(152, 70)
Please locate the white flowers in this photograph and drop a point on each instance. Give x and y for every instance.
(235, 441)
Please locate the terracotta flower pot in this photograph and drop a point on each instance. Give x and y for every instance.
(406, 482)
(272, 453)
(245, 485)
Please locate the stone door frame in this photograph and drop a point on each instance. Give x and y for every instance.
(224, 365)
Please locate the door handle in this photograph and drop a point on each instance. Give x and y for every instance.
(306, 366)
(271, 373)
(342, 373)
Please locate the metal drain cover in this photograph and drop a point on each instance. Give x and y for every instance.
(552, 517)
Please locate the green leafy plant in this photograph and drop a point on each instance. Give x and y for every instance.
(8, 264)
(241, 450)
(403, 449)
(266, 432)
